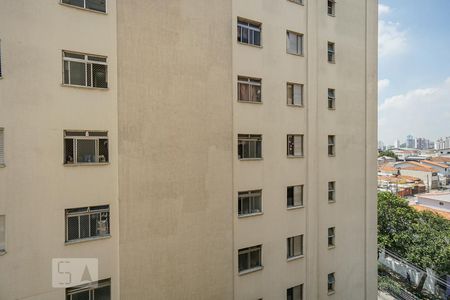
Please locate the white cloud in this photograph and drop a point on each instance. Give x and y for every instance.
(383, 9)
(391, 38)
(383, 84)
(421, 112)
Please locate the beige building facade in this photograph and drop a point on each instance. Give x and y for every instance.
(223, 149)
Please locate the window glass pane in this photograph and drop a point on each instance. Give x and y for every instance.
(245, 206)
(293, 43)
(290, 196)
(72, 230)
(81, 296)
(86, 151)
(255, 259)
(103, 293)
(258, 150)
(74, 55)
(94, 219)
(77, 73)
(243, 92)
(2, 232)
(290, 94)
(297, 94)
(257, 38)
(79, 3)
(297, 246)
(99, 75)
(244, 36)
(68, 147)
(66, 72)
(84, 227)
(297, 293)
(298, 195)
(103, 150)
(243, 261)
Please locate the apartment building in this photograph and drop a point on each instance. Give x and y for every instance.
(225, 149)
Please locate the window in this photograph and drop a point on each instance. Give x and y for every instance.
(249, 146)
(249, 32)
(331, 145)
(331, 98)
(297, 1)
(295, 293)
(295, 196)
(100, 290)
(87, 222)
(1, 74)
(2, 234)
(249, 202)
(295, 94)
(331, 8)
(85, 70)
(295, 246)
(331, 283)
(249, 89)
(97, 5)
(331, 237)
(250, 258)
(2, 147)
(295, 145)
(331, 191)
(331, 53)
(294, 43)
(85, 147)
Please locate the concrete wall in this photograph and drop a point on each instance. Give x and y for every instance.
(35, 186)
(175, 131)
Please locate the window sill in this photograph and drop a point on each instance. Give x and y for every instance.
(331, 15)
(251, 45)
(296, 54)
(85, 87)
(2, 166)
(87, 240)
(3, 252)
(331, 155)
(251, 271)
(250, 102)
(250, 159)
(332, 62)
(295, 207)
(295, 105)
(331, 201)
(331, 247)
(295, 156)
(250, 215)
(86, 164)
(302, 4)
(331, 293)
(85, 9)
(295, 258)
(332, 108)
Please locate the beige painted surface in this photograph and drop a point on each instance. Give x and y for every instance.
(35, 186)
(175, 131)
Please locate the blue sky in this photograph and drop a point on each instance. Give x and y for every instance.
(414, 69)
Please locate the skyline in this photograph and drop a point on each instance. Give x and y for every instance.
(414, 85)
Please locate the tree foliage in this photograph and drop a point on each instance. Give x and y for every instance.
(422, 238)
(388, 153)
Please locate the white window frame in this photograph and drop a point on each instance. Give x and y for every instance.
(85, 135)
(299, 36)
(252, 141)
(332, 191)
(250, 82)
(295, 145)
(252, 27)
(91, 287)
(331, 283)
(300, 292)
(331, 237)
(87, 62)
(331, 99)
(2, 147)
(331, 145)
(84, 7)
(294, 89)
(248, 252)
(102, 211)
(292, 252)
(2, 234)
(296, 190)
(253, 197)
(331, 52)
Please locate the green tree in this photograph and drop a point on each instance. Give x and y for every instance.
(422, 238)
(387, 153)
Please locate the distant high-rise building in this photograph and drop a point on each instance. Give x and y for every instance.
(410, 142)
(397, 144)
(422, 143)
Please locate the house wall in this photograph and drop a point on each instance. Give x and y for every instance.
(434, 203)
(427, 178)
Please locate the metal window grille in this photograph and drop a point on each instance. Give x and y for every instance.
(249, 258)
(295, 293)
(295, 246)
(331, 191)
(294, 43)
(331, 98)
(249, 33)
(87, 222)
(331, 7)
(331, 52)
(249, 146)
(2, 146)
(295, 94)
(331, 236)
(96, 5)
(331, 145)
(331, 282)
(85, 70)
(2, 233)
(91, 291)
(295, 196)
(249, 202)
(249, 89)
(86, 147)
(295, 145)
